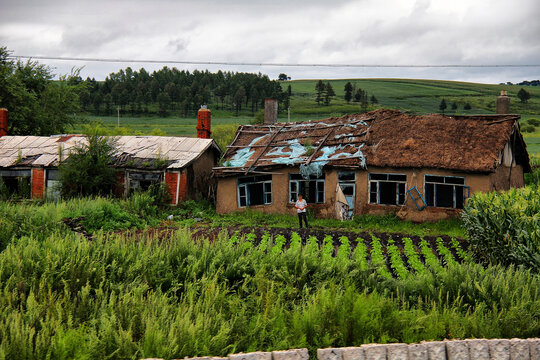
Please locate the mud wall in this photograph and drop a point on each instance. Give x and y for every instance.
(473, 349)
(503, 178)
(227, 198)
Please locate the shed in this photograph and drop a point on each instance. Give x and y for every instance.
(184, 163)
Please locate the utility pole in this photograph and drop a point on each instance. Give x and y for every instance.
(289, 114)
(118, 112)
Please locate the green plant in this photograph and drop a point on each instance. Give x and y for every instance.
(504, 227)
(89, 168)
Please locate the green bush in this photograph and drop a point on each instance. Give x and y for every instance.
(504, 227)
(528, 128)
(534, 122)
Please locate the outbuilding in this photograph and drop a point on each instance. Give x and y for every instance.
(29, 164)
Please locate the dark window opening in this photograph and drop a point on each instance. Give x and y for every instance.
(142, 181)
(445, 191)
(15, 187)
(387, 189)
(255, 190)
(312, 190)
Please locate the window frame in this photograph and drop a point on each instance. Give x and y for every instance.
(376, 183)
(320, 188)
(433, 201)
(242, 184)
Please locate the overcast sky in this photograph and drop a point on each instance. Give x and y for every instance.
(388, 32)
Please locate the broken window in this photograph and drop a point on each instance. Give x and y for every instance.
(141, 181)
(387, 189)
(445, 191)
(312, 190)
(15, 183)
(255, 190)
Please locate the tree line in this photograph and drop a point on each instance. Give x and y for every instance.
(182, 92)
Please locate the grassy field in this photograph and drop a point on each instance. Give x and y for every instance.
(414, 96)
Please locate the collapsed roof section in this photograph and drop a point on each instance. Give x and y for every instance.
(382, 138)
(133, 151)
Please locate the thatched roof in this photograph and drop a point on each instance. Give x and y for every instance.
(382, 138)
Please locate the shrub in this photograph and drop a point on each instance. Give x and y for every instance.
(88, 171)
(528, 129)
(504, 227)
(534, 122)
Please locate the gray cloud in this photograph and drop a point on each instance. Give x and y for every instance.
(302, 31)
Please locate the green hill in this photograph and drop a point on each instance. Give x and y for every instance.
(415, 96)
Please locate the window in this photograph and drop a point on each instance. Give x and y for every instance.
(142, 181)
(445, 191)
(387, 189)
(312, 189)
(255, 190)
(15, 183)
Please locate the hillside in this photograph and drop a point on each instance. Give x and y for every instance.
(415, 96)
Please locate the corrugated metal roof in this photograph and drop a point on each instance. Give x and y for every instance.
(179, 151)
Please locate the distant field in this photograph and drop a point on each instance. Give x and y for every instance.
(414, 96)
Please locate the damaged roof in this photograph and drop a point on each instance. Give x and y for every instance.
(133, 151)
(381, 138)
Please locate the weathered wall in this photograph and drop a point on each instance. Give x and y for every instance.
(171, 180)
(227, 200)
(472, 349)
(200, 180)
(38, 183)
(227, 197)
(415, 177)
(503, 178)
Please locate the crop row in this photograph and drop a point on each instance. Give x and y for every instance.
(398, 258)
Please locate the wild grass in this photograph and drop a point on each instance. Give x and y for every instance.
(67, 297)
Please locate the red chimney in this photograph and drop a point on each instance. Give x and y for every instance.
(204, 117)
(3, 122)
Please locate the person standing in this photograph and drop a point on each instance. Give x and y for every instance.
(301, 206)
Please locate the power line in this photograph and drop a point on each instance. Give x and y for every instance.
(240, 63)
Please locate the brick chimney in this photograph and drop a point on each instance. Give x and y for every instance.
(270, 111)
(204, 117)
(3, 122)
(503, 103)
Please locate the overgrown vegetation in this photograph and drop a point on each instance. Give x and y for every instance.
(173, 297)
(89, 171)
(504, 227)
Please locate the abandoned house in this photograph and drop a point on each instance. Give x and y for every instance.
(29, 164)
(420, 167)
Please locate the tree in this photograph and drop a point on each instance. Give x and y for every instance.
(373, 100)
(442, 105)
(164, 101)
(289, 90)
(348, 92)
(467, 106)
(523, 95)
(89, 168)
(239, 96)
(319, 88)
(454, 106)
(37, 105)
(328, 94)
(283, 77)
